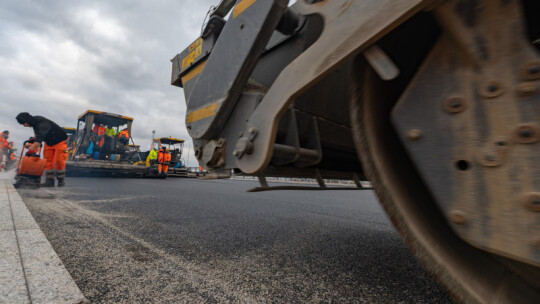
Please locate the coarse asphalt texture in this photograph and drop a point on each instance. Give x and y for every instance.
(209, 241)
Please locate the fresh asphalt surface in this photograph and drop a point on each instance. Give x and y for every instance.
(195, 241)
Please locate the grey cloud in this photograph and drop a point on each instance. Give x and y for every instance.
(62, 57)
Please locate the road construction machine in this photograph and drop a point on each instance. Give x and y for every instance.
(101, 146)
(436, 103)
(175, 165)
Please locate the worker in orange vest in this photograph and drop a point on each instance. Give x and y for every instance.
(167, 161)
(123, 134)
(161, 158)
(101, 134)
(99, 130)
(55, 148)
(11, 157)
(123, 137)
(3, 139)
(4, 145)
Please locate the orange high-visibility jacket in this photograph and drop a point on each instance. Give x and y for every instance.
(99, 130)
(3, 142)
(123, 133)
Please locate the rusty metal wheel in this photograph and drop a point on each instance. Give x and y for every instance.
(442, 142)
(469, 274)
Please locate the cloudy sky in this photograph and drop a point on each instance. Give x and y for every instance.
(59, 58)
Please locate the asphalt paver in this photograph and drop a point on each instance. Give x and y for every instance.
(209, 241)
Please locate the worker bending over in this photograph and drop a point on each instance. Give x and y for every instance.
(55, 148)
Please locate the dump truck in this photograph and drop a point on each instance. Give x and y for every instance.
(436, 103)
(94, 152)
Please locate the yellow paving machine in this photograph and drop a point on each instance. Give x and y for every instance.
(175, 164)
(101, 146)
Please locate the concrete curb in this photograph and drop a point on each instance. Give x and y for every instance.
(30, 269)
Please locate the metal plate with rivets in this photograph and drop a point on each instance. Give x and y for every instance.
(470, 121)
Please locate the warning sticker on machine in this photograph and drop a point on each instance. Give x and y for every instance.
(196, 50)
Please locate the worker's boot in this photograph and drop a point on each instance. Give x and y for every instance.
(61, 177)
(49, 179)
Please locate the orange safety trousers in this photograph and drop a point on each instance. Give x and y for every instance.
(55, 156)
(166, 160)
(160, 160)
